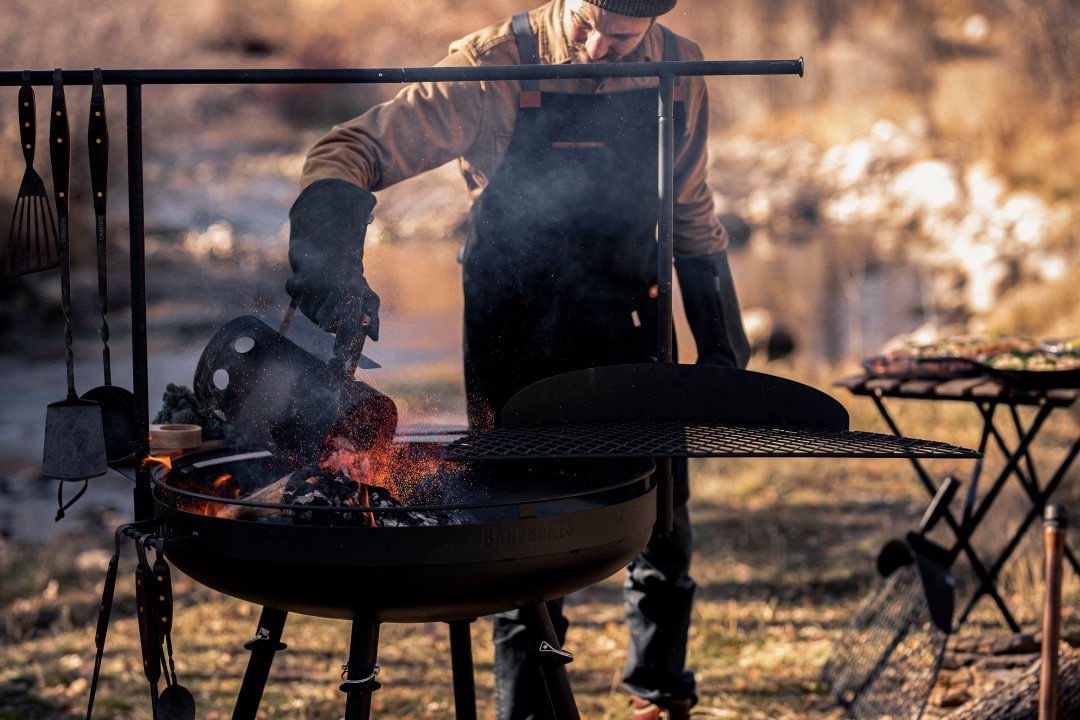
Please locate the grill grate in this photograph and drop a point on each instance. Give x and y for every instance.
(676, 439)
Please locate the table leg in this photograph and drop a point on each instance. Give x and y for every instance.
(1038, 501)
(962, 532)
(1031, 482)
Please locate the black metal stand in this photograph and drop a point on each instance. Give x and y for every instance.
(986, 395)
(358, 675)
(553, 661)
(263, 645)
(461, 662)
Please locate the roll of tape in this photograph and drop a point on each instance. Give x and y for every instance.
(176, 436)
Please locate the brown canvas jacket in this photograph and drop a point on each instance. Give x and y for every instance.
(429, 124)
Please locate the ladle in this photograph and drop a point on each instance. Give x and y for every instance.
(117, 403)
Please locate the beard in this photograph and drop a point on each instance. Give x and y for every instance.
(580, 56)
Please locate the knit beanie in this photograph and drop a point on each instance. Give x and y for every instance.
(635, 8)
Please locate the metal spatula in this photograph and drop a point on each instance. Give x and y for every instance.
(74, 433)
(32, 242)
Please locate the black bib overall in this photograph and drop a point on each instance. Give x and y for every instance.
(562, 247)
(560, 257)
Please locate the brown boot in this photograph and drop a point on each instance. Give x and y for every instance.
(670, 710)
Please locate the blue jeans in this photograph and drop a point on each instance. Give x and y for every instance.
(658, 597)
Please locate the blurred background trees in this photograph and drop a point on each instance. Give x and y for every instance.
(941, 134)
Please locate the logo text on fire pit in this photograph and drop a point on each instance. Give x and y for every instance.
(540, 532)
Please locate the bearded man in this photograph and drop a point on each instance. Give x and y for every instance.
(559, 265)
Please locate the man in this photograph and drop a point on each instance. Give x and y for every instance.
(559, 267)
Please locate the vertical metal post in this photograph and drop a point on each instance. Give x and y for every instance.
(461, 662)
(137, 243)
(263, 646)
(359, 676)
(665, 224)
(665, 260)
(552, 660)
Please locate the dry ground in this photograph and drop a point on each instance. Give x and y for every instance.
(784, 555)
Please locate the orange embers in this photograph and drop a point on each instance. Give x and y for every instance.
(398, 469)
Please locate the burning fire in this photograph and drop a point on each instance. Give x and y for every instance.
(162, 460)
(365, 477)
(383, 465)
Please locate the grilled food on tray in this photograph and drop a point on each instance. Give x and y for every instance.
(1038, 361)
(971, 347)
(948, 357)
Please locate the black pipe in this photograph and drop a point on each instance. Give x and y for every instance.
(232, 76)
(140, 383)
(665, 497)
(666, 191)
(263, 645)
(359, 676)
(552, 660)
(461, 663)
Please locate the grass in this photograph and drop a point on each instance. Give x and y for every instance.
(784, 552)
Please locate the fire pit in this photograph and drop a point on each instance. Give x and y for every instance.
(504, 535)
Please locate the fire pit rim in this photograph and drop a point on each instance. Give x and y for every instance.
(162, 490)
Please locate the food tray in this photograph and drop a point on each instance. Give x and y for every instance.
(929, 368)
(1040, 379)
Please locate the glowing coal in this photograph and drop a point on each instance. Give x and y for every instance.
(384, 475)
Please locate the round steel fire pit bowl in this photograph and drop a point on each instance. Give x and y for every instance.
(515, 533)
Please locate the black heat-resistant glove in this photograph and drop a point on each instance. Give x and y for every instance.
(327, 224)
(712, 310)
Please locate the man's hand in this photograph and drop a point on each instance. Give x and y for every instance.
(327, 225)
(712, 310)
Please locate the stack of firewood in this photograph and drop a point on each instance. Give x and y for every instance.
(991, 678)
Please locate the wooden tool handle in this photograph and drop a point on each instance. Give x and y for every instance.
(97, 140)
(1054, 526)
(148, 636)
(60, 144)
(27, 126)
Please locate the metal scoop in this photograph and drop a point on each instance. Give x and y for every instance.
(74, 434)
(117, 403)
(32, 243)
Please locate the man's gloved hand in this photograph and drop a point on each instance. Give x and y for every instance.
(327, 224)
(712, 309)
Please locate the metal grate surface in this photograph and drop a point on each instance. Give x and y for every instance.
(676, 439)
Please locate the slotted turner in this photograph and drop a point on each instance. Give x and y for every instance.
(74, 434)
(32, 241)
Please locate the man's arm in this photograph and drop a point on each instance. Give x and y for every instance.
(423, 127)
(708, 290)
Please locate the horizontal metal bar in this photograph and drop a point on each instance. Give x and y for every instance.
(242, 76)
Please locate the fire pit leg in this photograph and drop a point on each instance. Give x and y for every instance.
(359, 675)
(266, 642)
(461, 661)
(553, 661)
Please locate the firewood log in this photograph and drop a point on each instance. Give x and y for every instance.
(1019, 700)
(272, 493)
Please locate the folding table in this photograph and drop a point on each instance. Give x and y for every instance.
(986, 394)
